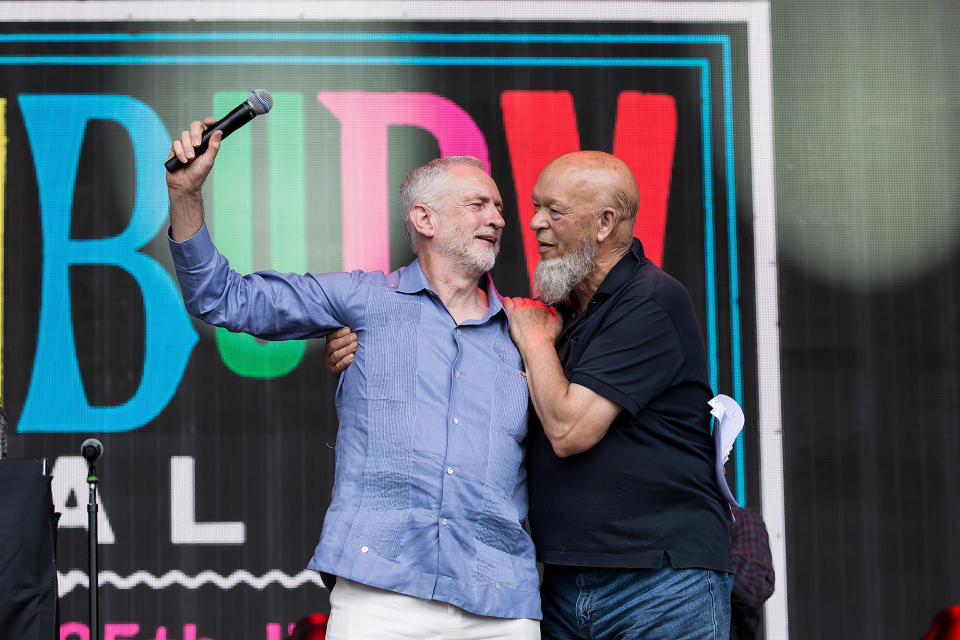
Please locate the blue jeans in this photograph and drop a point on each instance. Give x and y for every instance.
(585, 603)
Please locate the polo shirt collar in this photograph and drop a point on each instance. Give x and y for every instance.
(622, 272)
(620, 275)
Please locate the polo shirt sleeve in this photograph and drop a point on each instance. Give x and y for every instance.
(266, 304)
(633, 357)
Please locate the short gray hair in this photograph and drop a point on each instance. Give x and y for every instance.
(426, 185)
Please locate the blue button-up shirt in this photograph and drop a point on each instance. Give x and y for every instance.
(430, 490)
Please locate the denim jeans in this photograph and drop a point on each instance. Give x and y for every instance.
(635, 604)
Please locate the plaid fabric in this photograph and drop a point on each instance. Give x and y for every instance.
(752, 570)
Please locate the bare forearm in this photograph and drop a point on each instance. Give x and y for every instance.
(574, 417)
(548, 390)
(186, 213)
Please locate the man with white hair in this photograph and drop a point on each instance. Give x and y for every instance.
(424, 534)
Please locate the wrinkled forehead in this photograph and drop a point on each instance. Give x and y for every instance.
(570, 184)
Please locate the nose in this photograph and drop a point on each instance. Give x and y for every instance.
(495, 218)
(539, 219)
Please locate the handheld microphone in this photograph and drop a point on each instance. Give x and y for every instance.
(91, 449)
(258, 102)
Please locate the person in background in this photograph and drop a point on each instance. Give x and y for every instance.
(945, 625)
(753, 579)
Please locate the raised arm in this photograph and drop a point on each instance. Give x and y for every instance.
(267, 304)
(183, 186)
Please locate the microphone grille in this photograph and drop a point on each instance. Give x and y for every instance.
(91, 449)
(260, 101)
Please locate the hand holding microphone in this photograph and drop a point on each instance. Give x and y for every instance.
(194, 143)
(191, 159)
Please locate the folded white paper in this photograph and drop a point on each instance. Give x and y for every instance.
(729, 424)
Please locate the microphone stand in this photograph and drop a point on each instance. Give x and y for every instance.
(94, 590)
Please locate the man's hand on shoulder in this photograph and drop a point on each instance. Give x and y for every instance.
(532, 322)
(338, 354)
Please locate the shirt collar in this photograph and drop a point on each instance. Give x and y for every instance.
(412, 280)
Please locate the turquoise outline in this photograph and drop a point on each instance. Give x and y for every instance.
(703, 64)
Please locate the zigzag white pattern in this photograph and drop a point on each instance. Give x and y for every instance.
(78, 579)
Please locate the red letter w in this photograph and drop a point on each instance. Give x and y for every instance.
(541, 125)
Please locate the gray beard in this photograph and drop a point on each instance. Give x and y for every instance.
(555, 279)
(458, 247)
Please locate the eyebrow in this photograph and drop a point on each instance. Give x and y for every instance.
(550, 202)
(496, 202)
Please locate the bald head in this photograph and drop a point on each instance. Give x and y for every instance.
(584, 207)
(601, 179)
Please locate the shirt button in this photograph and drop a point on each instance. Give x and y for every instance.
(364, 549)
(497, 585)
(456, 374)
(449, 471)
(455, 421)
(444, 522)
(459, 330)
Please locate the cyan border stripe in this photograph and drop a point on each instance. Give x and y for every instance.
(405, 61)
(413, 36)
(426, 37)
(733, 264)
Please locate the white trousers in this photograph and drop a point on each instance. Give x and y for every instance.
(359, 612)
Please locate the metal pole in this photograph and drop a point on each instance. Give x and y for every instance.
(92, 509)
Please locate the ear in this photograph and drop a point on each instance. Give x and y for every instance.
(423, 221)
(607, 223)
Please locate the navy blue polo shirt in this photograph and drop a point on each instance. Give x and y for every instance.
(647, 490)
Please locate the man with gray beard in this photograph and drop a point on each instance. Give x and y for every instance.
(624, 509)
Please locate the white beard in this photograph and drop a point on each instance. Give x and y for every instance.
(554, 279)
(459, 247)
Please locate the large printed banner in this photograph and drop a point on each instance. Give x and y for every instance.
(219, 447)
